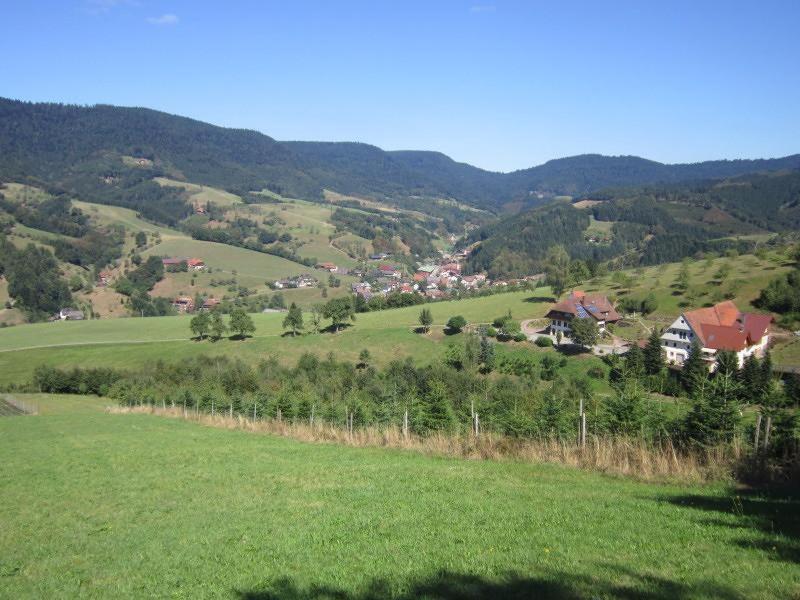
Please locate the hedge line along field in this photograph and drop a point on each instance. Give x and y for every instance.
(110, 505)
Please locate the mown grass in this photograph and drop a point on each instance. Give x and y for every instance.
(131, 343)
(103, 505)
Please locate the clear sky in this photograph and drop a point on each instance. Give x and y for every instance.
(501, 85)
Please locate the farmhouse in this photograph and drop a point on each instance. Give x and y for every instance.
(184, 304)
(301, 281)
(719, 327)
(103, 278)
(69, 314)
(171, 262)
(196, 264)
(389, 271)
(210, 303)
(327, 266)
(582, 306)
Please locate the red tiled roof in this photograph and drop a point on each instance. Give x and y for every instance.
(756, 326)
(723, 327)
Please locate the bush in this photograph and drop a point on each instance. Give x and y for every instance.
(520, 337)
(491, 331)
(596, 372)
(456, 323)
(544, 342)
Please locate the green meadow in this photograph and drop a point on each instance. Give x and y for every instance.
(114, 505)
(132, 342)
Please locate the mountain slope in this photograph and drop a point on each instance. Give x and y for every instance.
(109, 154)
(643, 225)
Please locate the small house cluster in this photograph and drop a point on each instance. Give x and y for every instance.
(301, 281)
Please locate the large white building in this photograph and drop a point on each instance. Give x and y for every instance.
(716, 328)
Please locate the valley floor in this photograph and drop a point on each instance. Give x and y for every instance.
(106, 505)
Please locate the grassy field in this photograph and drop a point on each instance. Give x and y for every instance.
(202, 193)
(127, 343)
(143, 506)
(748, 276)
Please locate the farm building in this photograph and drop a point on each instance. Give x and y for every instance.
(716, 328)
(579, 305)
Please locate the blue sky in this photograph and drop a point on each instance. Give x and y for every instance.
(502, 85)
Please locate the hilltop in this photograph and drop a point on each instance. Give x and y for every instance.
(75, 148)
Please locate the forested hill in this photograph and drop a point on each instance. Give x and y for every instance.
(91, 151)
(643, 225)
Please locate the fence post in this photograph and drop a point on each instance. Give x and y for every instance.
(405, 424)
(254, 411)
(311, 419)
(279, 414)
(583, 431)
(767, 430)
(477, 425)
(758, 432)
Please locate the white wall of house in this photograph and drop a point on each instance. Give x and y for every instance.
(562, 325)
(677, 341)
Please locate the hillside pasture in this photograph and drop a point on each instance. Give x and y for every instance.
(224, 259)
(144, 506)
(133, 342)
(202, 193)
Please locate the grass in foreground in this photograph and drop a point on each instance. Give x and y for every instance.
(107, 505)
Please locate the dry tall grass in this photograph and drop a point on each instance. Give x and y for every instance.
(619, 456)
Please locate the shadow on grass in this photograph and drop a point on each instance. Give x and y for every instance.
(623, 583)
(332, 329)
(537, 299)
(773, 514)
(571, 349)
(238, 337)
(449, 331)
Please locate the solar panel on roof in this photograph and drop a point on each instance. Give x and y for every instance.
(582, 314)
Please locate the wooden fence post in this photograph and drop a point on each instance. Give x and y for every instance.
(313, 406)
(767, 430)
(405, 424)
(758, 432)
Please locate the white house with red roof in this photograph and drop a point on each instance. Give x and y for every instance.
(716, 328)
(579, 305)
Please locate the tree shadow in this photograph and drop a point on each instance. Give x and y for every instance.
(449, 331)
(774, 513)
(238, 337)
(447, 585)
(568, 349)
(538, 299)
(332, 329)
(420, 330)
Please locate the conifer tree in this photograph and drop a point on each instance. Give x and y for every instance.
(694, 368)
(653, 354)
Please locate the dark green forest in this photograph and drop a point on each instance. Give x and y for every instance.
(78, 149)
(649, 225)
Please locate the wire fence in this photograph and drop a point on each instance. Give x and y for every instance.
(11, 407)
